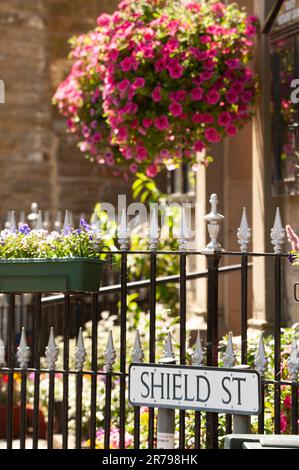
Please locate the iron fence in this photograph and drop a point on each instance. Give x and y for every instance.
(107, 372)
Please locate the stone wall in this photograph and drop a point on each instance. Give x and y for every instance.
(39, 161)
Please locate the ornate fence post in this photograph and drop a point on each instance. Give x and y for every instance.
(212, 251)
(137, 358)
(166, 417)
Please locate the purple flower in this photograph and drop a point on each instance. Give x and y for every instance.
(85, 225)
(24, 229)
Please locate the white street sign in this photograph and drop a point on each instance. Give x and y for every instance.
(210, 389)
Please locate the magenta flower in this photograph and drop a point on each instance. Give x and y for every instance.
(283, 423)
(123, 85)
(160, 65)
(175, 109)
(133, 168)
(224, 119)
(152, 171)
(179, 95)
(104, 20)
(213, 97)
(232, 97)
(147, 123)
(288, 402)
(126, 64)
(199, 146)
(197, 118)
(196, 94)
(231, 130)
(176, 71)
(156, 94)
(141, 153)
(162, 123)
(139, 82)
(212, 135)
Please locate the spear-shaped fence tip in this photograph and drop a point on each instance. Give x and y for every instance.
(137, 352)
(244, 233)
(278, 233)
(260, 360)
(39, 221)
(109, 354)
(67, 223)
(23, 351)
(51, 351)
(80, 351)
(198, 354)
(229, 358)
(168, 349)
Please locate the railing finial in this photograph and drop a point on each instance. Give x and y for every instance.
(109, 354)
(80, 352)
(214, 220)
(244, 233)
(260, 360)
(198, 353)
(229, 358)
(168, 349)
(51, 351)
(137, 352)
(67, 223)
(23, 351)
(278, 233)
(39, 221)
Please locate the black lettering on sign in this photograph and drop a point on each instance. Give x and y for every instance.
(145, 385)
(239, 380)
(157, 385)
(186, 398)
(226, 402)
(207, 383)
(176, 386)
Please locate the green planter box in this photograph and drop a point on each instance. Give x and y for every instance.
(51, 275)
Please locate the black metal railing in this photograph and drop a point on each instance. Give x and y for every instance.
(115, 378)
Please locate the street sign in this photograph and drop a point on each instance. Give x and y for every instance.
(218, 390)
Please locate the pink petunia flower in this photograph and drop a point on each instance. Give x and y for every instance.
(141, 153)
(176, 71)
(156, 94)
(196, 94)
(224, 119)
(162, 123)
(147, 123)
(175, 109)
(213, 97)
(199, 146)
(212, 135)
(139, 82)
(152, 170)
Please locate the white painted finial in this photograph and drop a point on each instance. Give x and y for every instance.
(109, 354)
(198, 354)
(154, 232)
(260, 360)
(23, 351)
(51, 351)
(214, 220)
(244, 233)
(80, 352)
(229, 358)
(137, 352)
(278, 233)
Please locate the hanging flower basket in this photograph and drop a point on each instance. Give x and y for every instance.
(38, 261)
(158, 81)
